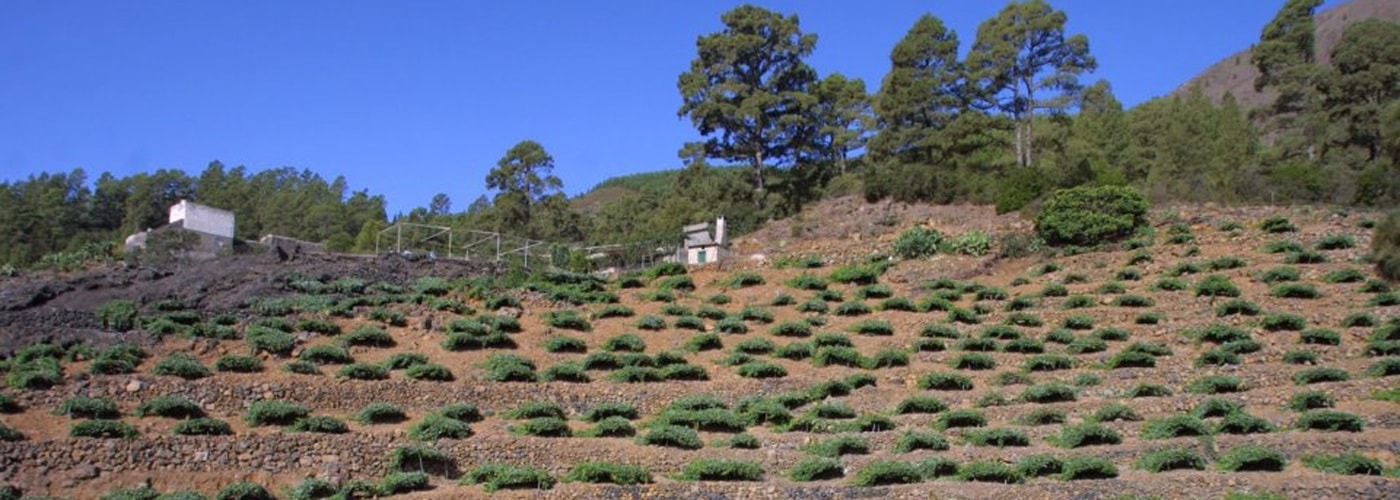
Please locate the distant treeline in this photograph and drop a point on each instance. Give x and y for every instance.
(49, 213)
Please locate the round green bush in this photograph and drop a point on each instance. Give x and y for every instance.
(1091, 215)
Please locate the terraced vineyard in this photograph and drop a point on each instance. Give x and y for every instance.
(1227, 355)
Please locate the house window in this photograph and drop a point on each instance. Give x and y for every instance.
(700, 258)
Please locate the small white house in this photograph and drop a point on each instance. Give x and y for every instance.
(202, 219)
(214, 226)
(702, 246)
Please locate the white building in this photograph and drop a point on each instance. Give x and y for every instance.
(702, 246)
(202, 219)
(214, 226)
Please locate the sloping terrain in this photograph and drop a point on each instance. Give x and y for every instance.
(958, 374)
(1236, 74)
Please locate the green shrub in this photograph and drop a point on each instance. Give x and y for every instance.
(1300, 357)
(1216, 407)
(731, 326)
(380, 413)
(564, 343)
(1215, 384)
(944, 382)
(1346, 275)
(610, 409)
(1311, 400)
(885, 472)
(274, 412)
(320, 424)
(1385, 247)
(1243, 423)
(388, 317)
(610, 427)
(435, 426)
(1148, 391)
(960, 418)
(1131, 359)
(398, 483)
(1277, 224)
(918, 242)
(916, 440)
(495, 477)
(1086, 345)
(1305, 257)
(238, 364)
(89, 408)
(1329, 420)
(301, 368)
(1053, 392)
(244, 490)
(1384, 368)
(326, 354)
(762, 369)
(973, 361)
(1320, 336)
(1086, 216)
(275, 342)
(672, 436)
(102, 429)
(1358, 320)
(1169, 285)
(872, 327)
(625, 343)
(567, 319)
(1320, 374)
(709, 469)
(816, 469)
(1043, 416)
(118, 315)
(543, 427)
(363, 371)
(429, 371)
(1216, 285)
(1351, 463)
(1039, 465)
(808, 282)
(1087, 434)
(989, 472)
(1174, 426)
(1079, 301)
(838, 446)
(509, 368)
(318, 325)
(1114, 412)
(1252, 458)
(1048, 362)
(792, 329)
(170, 406)
(1295, 291)
(999, 437)
(976, 345)
(1078, 468)
(859, 275)
(182, 366)
(608, 473)
(418, 458)
(1335, 242)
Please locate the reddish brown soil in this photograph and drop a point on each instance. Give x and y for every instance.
(221, 287)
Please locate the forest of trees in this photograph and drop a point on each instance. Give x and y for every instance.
(1008, 124)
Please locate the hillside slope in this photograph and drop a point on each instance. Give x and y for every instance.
(1235, 74)
(1090, 359)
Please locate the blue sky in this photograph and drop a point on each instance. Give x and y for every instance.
(412, 98)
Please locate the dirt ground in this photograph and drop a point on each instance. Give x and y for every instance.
(59, 308)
